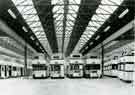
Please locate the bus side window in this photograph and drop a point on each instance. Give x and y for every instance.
(81, 67)
(14, 68)
(2, 68)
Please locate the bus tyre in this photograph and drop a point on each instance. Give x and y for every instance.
(34, 76)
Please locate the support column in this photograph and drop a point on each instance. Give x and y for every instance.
(102, 55)
(134, 39)
(25, 59)
(66, 2)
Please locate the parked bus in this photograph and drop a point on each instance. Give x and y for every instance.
(11, 69)
(40, 69)
(111, 68)
(57, 69)
(126, 67)
(92, 68)
(75, 66)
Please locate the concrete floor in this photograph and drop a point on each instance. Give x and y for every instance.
(106, 86)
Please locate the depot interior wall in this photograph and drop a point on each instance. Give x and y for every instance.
(94, 53)
(118, 52)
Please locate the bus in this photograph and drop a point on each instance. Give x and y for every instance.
(10, 69)
(75, 66)
(111, 68)
(126, 67)
(40, 70)
(57, 69)
(92, 68)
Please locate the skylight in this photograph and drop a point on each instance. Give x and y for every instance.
(58, 15)
(103, 12)
(28, 11)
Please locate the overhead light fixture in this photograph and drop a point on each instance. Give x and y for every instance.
(12, 13)
(24, 28)
(86, 47)
(37, 43)
(123, 13)
(97, 37)
(32, 38)
(107, 28)
(40, 47)
(82, 51)
(91, 43)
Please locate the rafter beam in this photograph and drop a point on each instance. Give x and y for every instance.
(66, 3)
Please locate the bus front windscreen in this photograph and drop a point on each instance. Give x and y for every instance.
(96, 66)
(55, 67)
(38, 67)
(75, 66)
(92, 67)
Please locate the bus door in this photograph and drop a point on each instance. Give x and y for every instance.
(10, 71)
(0, 71)
(5, 71)
(57, 68)
(21, 71)
(62, 69)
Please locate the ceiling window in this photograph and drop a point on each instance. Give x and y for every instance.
(103, 12)
(27, 10)
(58, 15)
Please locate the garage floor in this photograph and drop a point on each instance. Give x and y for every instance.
(106, 86)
